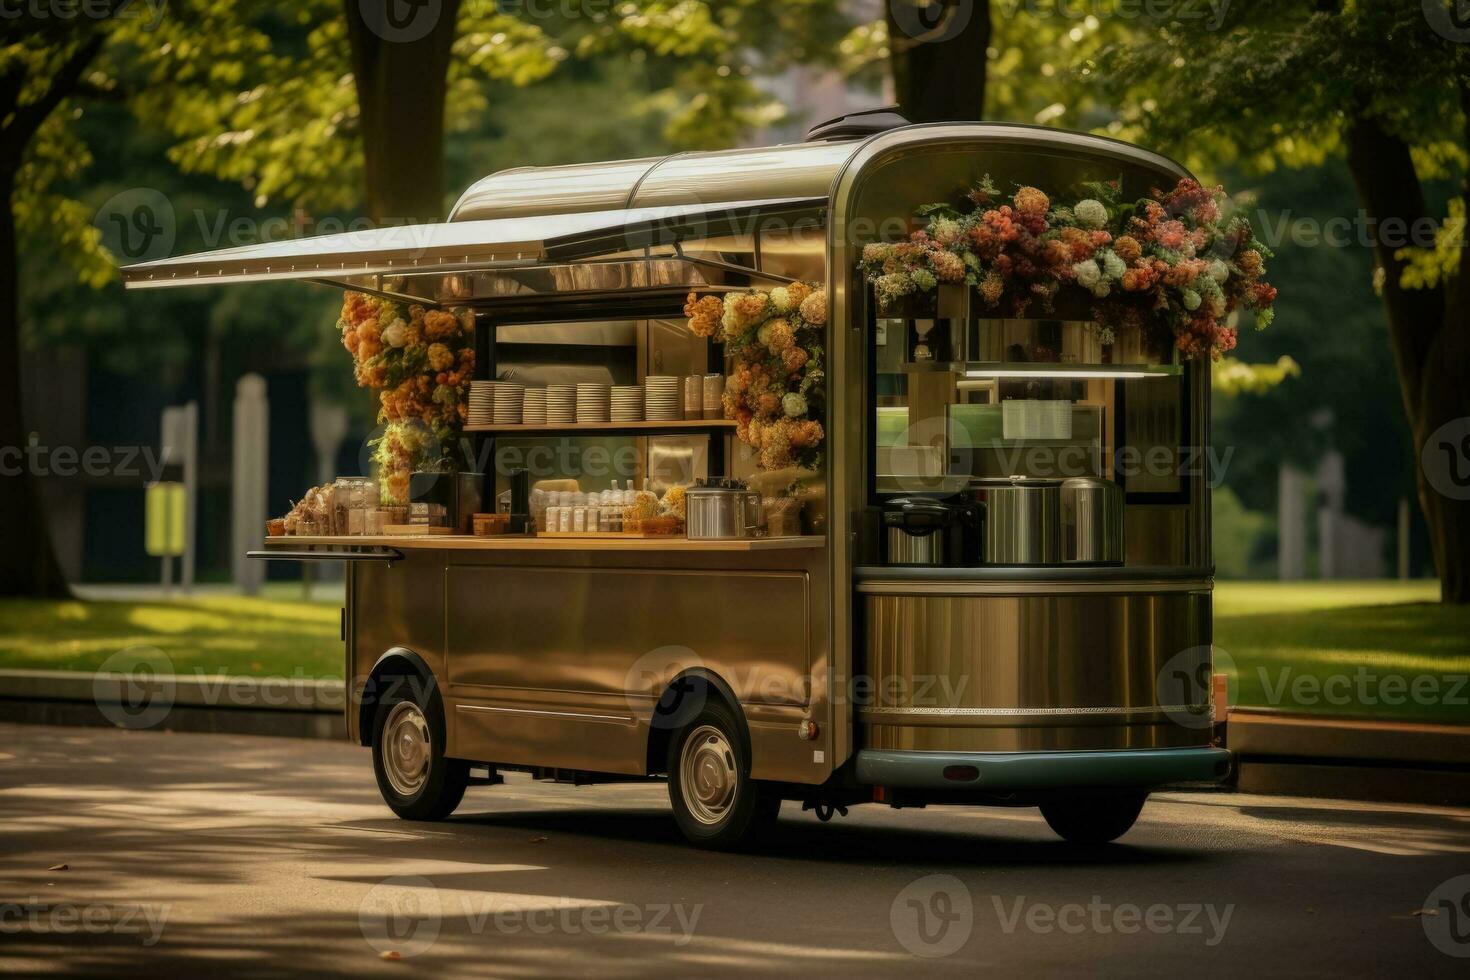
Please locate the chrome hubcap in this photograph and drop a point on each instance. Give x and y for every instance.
(406, 748)
(707, 776)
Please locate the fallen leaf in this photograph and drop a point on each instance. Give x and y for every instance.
(390, 954)
(537, 840)
(58, 867)
(1425, 912)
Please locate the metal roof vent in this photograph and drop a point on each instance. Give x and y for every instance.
(856, 125)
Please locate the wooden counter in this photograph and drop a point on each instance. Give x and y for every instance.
(613, 542)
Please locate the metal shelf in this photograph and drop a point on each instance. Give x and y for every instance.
(1025, 369)
(606, 428)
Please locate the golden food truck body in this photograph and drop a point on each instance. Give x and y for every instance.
(809, 667)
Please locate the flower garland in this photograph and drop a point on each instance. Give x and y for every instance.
(1172, 259)
(420, 362)
(777, 393)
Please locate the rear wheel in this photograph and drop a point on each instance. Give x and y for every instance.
(416, 781)
(716, 803)
(1093, 819)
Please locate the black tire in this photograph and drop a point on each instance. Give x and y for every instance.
(1093, 818)
(439, 784)
(724, 808)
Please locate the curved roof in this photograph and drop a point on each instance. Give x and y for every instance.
(792, 170)
(796, 170)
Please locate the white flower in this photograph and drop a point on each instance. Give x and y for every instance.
(1219, 270)
(1112, 265)
(781, 299)
(1091, 213)
(945, 231)
(763, 335)
(1088, 274)
(793, 404)
(1102, 289)
(393, 336)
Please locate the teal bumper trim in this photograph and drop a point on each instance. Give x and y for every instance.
(1004, 771)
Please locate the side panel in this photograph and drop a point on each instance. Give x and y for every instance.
(562, 666)
(1018, 673)
(557, 658)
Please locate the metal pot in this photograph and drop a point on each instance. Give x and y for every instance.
(1022, 520)
(722, 512)
(1092, 520)
(916, 530)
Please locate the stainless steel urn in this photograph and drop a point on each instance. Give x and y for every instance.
(1022, 520)
(1092, 520)
(722, 512)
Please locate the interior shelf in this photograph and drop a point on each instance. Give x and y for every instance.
(575, 428)
(1017, 369)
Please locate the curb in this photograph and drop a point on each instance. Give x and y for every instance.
(297, 707)
(1340, 758)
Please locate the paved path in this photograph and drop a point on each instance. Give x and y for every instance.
(225, 856)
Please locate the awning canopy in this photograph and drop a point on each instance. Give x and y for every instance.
(470, 245)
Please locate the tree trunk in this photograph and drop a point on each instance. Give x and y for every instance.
(401, 69)
(28, 565)
(938, 57)
(1430, 343)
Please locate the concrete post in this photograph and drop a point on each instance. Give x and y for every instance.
(249, 480)
(1291, 523)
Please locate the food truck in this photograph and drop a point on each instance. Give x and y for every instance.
(969, 563)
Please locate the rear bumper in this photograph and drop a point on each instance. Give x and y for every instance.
(1008, 771)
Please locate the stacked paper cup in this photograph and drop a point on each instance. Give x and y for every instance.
(481, 404)
(508, 400)
(662, 398)
(561, 404)
(533, 409)
(593, 402)
(627, 403)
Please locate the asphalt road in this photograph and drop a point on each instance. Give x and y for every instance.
(194, 854)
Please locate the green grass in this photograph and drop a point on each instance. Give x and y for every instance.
(1281, 641)
(1384, 650)
(211, 635)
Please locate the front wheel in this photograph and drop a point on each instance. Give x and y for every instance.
(716, 803)
(416, 781)
(1093, 819)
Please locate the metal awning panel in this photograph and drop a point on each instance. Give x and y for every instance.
(468, 246)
